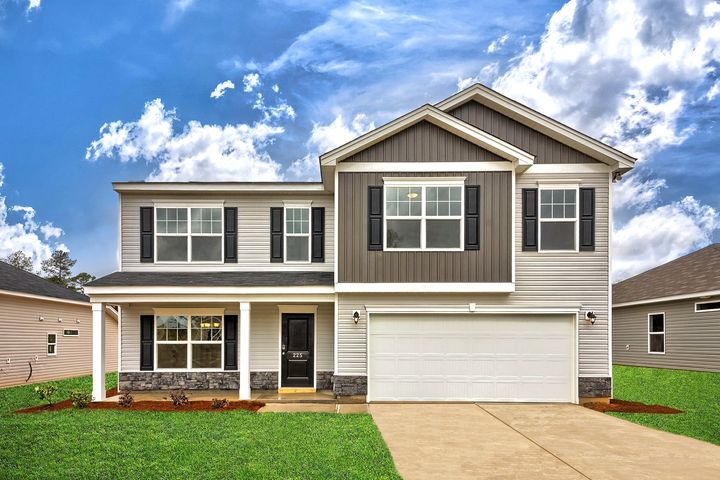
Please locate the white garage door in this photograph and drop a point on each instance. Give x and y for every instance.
(471, 358)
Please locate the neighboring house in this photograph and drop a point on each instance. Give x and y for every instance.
(669, 317)
(46, 330)
(459, 252)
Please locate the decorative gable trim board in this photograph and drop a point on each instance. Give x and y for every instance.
(539, 122)
(438, 118)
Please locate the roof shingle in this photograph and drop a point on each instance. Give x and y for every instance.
(215, 279)
(696, 272)
(17, 280)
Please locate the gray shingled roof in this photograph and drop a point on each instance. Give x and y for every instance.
(694, 273)
(215, 279)
(17, 280)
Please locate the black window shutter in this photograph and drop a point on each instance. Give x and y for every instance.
(231, 360)
(375, 218)
(276, 234)
(530, 219)
(147, 347)
(231, 235)
(146, 235)
(587, 219)
(472, 217)
(318, 234)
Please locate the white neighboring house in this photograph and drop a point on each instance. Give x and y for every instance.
(458, 253)
(46, 330)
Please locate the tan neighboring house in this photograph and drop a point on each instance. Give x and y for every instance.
(669, 317)
(460, 252)
(46, 330)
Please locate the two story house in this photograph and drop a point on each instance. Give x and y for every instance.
(458, 253)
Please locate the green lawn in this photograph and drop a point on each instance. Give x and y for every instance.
(133, 445)
(696, 393)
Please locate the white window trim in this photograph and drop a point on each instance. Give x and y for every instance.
(423, 183)
(656, 333)
(308, 207)
(71, 330)
(48, 343)
(552, 186)
(189, 342)
(189, 234)
(707, 310)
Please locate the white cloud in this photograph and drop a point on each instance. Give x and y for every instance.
(221, 88)
(33, 5)
(175, 10)
(23, 235)
(276, 88)
(635, 193)
(251, 81)
(324, 138)
(487, 74)
(713, 91)
(620, 70)
(660, 235)
(496, 44)
(198, 152)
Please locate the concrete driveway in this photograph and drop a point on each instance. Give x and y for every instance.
(534, 441)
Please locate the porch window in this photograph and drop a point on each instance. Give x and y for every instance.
(189, 341)
(200, 241)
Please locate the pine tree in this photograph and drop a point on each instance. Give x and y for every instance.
(58, 268)
(20, 260)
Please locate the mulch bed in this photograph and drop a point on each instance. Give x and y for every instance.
(623, 406)
(150, 406)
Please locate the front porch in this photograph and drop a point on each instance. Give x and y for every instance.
(213, 341)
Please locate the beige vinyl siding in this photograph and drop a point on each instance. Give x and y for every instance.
(264, 336)
(692, 339)
(23, 336)
(549, 280)
(492, 263)
(424, 142)
(253, 231)
(545, 149)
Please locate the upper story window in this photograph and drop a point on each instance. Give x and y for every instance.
(558, 219)
(424, 216)
(656, 333)
(708, 306)
(191, 234)
(297, 234)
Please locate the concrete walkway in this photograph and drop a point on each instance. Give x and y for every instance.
(534, 441)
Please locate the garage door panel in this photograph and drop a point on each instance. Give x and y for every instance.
(473, 358)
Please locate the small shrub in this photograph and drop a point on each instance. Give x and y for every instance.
(179, 398)
(46, 392)
(217, 403)
(126, 399)
(80, 399)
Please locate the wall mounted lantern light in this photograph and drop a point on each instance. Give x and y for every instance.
(591, 317)
(356, 317)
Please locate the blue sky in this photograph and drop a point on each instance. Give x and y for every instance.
(307, 76)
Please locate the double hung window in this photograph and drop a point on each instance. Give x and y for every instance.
(189, 341)
(189, 234)
(297, 234)
(558, 219)
(656, 333)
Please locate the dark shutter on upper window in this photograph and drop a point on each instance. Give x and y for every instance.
(472, 217)
(318, 234)
(146, 235)
(230, 235)
(230, 339)
(375, 218)
(147, 348)
(530, 219)
(587, 219)
(276, 234)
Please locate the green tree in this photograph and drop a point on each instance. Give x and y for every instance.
(20, 260)
(58, 268)
(78, 281)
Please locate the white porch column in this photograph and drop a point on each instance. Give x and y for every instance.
(98, 351)
(244, 332)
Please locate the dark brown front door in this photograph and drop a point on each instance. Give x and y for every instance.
(297, 350)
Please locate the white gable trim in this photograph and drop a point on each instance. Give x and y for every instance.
(539, 122)
(440, 119)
